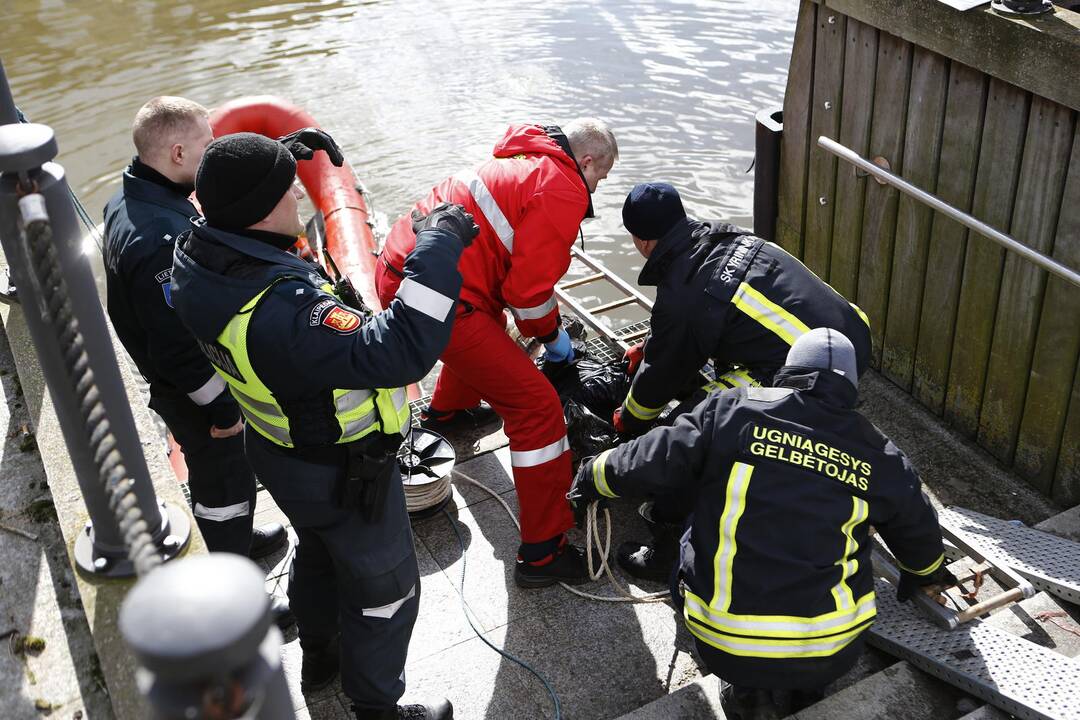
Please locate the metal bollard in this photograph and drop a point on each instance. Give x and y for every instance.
(41, 240)
(202, 633)
(769, 129)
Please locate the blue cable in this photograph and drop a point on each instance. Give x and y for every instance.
(508, 656)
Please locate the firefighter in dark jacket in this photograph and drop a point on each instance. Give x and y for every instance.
(722, 295)
(774, 579)
(320, 384)
(142, 222)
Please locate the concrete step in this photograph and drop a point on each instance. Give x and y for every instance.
(986, 712)
(1065, 524)
(699, 700)
(702, 697)
(1044, 620)
(898, 691)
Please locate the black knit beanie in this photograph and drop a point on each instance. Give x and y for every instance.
(651, 209)
(241, 179)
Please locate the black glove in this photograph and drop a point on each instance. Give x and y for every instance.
(302, 145)
(583, 492)
(449, 217)
(910, 583)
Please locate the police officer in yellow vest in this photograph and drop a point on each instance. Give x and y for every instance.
(320, 385)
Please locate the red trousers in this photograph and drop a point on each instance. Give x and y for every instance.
(481, 362)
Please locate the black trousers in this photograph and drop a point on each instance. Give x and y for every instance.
(220, 480)
(350, 576)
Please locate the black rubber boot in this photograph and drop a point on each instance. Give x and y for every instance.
(438, 710)
(469, 419)
(568, 565)
(320, 667)
(267, 539)
(652, 560)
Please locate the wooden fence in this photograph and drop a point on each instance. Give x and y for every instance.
(976, 334)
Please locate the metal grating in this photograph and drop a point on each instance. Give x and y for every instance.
(1020, 677)
(1048, 562)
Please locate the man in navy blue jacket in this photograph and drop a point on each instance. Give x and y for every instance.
(321, 385)
(142, 222)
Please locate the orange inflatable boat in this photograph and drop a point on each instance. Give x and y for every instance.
(333, 190)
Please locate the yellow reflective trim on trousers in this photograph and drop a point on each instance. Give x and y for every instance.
(780, 626)
(599, 474)
(848, 564)
(767, 313)
(640, 411)
(734, 505)
(773, 647)
(925, 571)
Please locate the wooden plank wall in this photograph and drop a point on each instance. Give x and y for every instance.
(976, 334)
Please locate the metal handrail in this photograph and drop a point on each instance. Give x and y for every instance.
(1046, 263)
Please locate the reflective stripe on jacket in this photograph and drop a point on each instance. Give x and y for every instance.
(726, 295)
(776, 564)
(529, 201)
(358, 412)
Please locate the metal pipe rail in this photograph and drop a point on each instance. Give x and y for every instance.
(1046, 263)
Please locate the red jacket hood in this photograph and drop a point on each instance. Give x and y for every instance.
(530, 139)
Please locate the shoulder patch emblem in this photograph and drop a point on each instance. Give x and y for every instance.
(339, 319)
(318, 311)
(165, 278)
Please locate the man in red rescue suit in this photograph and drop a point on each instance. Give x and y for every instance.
(529, 201)
(775, 580)
(721, 295)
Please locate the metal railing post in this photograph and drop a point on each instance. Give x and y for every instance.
(769, 128)
(39, 232)
(202, 633)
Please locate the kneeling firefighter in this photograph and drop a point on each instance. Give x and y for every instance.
(320, 386)
(774, 579)
(723, 295)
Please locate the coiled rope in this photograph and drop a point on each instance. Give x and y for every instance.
(592, 536)
(57, 312)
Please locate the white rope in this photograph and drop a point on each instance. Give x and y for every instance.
(428, 495)
(592, 534)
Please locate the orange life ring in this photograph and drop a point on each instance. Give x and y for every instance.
(333, 190)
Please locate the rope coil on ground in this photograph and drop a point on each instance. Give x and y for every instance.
(592, 534)
(57, 311)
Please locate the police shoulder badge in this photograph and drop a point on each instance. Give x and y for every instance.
(334, 317)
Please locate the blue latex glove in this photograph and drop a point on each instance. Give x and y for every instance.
(559, 349)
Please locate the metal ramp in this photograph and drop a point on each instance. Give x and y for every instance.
(1020, 677)
(1048, 562)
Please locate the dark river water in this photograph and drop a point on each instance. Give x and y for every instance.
(413, 90)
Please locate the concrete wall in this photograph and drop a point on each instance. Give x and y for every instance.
(980, 110)
(101, 599)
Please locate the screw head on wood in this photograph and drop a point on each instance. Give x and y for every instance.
(832, 19)
(828, 105)
(822, 201)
